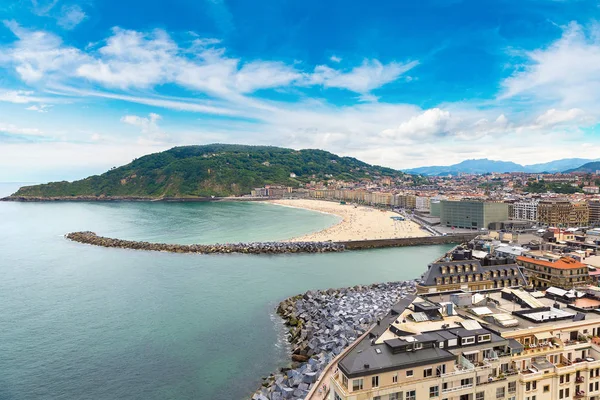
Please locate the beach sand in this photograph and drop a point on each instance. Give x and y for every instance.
(357, 223)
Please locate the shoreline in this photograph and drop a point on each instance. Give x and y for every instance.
(357, 223)
(321, 325)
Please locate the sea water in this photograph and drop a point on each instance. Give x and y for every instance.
(84, 322)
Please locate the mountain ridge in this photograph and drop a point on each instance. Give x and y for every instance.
(218, 170)
(484, 165)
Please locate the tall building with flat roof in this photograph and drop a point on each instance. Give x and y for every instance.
(471, 214)
(563, 213)
(594, 207)
(526, 210)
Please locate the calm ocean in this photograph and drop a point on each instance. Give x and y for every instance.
(82, 322)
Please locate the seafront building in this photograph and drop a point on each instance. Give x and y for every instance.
(462, 271)
(500, 344)
(472, 214)
(545, 271)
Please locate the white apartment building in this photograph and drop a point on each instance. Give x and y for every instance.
(526, 210)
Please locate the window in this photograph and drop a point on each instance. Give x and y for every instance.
(441, 345)
(500, 392)
(561, 394)
(427, 372)
(485, 338)
(375, 381)
(466, 381)
(512, 387)
(468, 340)
(418, 346)
(434, 391)
(345, 381)
(409, 372)
(411, 395)
(480, 396)
(357, 384)
(336, 396)
(395, 379)
(376, 397)
(396, 396)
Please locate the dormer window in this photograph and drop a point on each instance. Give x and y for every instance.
(485, 338)
(418, 346)
(468, 340)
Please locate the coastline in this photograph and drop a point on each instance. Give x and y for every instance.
(321, 325)
(357, 223)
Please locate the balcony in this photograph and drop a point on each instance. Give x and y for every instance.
(457, 388)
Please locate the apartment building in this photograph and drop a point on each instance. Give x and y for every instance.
(563, 213)
(526, 210)
(422, 203)
(516, 346)
(564, 272)
(594, 207)
(471, 214)
(466, 273)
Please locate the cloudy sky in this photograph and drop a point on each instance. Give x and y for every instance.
(90, 84)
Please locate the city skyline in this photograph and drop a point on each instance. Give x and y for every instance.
(87, 85)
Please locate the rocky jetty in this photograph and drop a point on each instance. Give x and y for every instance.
(245, 248)
(321, 325)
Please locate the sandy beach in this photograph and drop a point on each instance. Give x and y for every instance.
(357, 223)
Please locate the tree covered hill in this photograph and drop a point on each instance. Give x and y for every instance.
(212, 170)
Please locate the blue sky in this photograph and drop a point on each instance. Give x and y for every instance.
(86, 85)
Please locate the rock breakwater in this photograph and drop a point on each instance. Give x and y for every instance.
(321, 325)
(245, 248)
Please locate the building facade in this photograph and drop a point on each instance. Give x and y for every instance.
(471, 214)
(563, 213)
(565, 273)
(525, 210)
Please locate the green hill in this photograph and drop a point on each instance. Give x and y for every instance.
(212, 170)
(590, 168)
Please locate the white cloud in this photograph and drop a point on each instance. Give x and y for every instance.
(335, 59)
(19, 97)
(142, 60)
(42, 108)
(567, 71)
(43, 7)
(16, 130)
(554, 117)
(71, 16)
(431, 123)
(372, 74)
(151, 132)
(39, 54)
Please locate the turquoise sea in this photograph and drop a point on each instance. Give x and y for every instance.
(82, 322)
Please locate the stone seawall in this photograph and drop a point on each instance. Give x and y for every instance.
(403, 242)
(246, 248)
(321, 325)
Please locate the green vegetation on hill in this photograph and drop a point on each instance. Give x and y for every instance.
(543, 187)
(213, 170)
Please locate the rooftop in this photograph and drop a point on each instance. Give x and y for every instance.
(562, 263)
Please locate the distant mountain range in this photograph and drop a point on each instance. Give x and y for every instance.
(590, 167)
(484, 166)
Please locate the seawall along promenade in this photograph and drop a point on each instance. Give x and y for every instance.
(247, 248)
